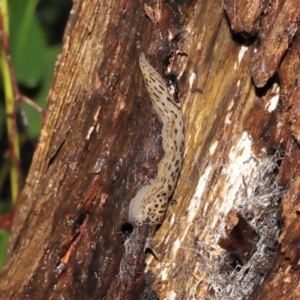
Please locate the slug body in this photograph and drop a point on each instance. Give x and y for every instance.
(150, 203)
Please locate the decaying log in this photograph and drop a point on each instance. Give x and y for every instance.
(101, 143)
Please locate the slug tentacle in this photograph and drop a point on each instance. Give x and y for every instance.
(150, 203)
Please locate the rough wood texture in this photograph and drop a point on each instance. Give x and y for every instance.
(279, 129)
(88, 160)
(283, 133)
(245, 16)
(241, 238)
(277, 31)
(101, 142)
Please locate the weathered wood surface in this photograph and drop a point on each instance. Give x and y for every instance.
(101, 142)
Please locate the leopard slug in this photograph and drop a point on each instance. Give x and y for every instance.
(150, 203)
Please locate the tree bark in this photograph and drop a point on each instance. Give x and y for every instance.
(101, 143)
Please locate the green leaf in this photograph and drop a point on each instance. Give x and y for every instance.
(4, 236)
(32, 58)
(5, 206)
(27, 42)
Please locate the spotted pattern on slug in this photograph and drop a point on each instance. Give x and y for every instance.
(150, 203)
